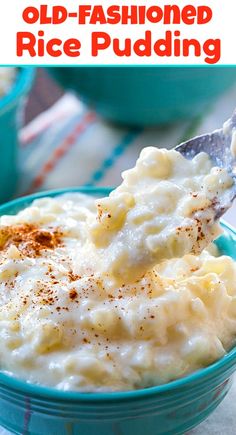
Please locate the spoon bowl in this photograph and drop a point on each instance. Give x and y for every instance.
(218, 145)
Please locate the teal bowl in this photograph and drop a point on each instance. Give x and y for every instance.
(146, 96)
(168, 409)
(11, 120)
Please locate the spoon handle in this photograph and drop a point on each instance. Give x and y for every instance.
(216, 144)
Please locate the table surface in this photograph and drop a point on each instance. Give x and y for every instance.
(44, 94)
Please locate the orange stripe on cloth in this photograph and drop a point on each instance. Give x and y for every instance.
(59, 152)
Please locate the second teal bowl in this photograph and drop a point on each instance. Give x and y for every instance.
(168, 409)
(145, 96)
(11, 120)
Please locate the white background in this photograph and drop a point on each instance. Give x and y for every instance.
(222, 26)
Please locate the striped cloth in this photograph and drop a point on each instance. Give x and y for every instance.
(69, 145)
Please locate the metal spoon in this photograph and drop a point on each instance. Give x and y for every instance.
(218, 146)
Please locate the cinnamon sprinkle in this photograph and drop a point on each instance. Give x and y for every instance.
(29, 239)
(73, 294)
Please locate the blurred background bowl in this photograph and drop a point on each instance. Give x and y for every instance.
(146, 96)
(11, 120)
